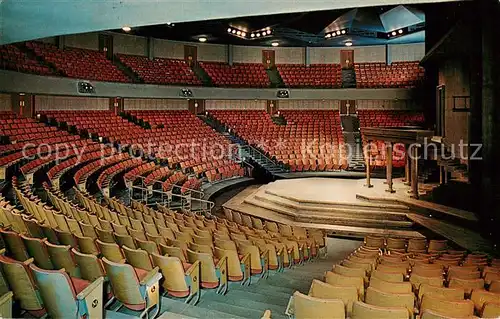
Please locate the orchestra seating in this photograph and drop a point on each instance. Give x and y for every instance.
(160, 70)
(378, 118)
(79, 63)
(399, 278)
(395, 75)
(12, 58)
(311, 140)
(328, 76)
(237, 75)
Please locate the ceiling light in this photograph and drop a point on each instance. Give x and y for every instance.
(400, 31)
(258, 35)
(238, 32)
(268, 28)
(126, 28)
(275, 44)
(343, 31)
(333, 34)
(243, 34)
(268, 31)
(252, 35)
(338, 32)
(328, 35)
(348, 44)
(229, 30)
(233, 31)
(202, 39)
(393, 33)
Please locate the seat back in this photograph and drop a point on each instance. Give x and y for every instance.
(90, 266)
(38, 250)
(387, 276)
(61, 304)
(440, 292)
(15, 245)
(138, 258)
(173, 252)
(466, 284)
(390, 287)
(415, 244)
(125, 240)
(375, 242)
(306, 307)
(110, 250)
(323, 290)
(208, 272)
(455, 308)
(234, 270)
(417, 280)
(62, 257)
(396, 243)
(351, 272)
(124, 282)
(361, 310)
(491, 310)
(346, 281)
(479, 297)
(173, 272)
(147, 245)
(386, 299)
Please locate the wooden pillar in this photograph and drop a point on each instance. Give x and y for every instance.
(407, 166)
(368, 168)
(414, 171)
(388, 166)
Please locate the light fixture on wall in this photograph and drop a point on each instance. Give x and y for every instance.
(202, 39)
(348, 44)
(275, 43)
(126, 28)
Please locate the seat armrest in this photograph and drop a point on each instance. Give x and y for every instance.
(27, 262)
(290, 311)
(194, 276)
(222, 266)
(245, 262)
(90, 300)
(152, 277)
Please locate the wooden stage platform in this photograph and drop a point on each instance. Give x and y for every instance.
(346, 207)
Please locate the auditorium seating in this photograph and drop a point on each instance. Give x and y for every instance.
(12, 58)
(425, 287)
(160, 70)
(395, 75)
(237, 75)
(379, 118)
(311, 140)
(328, 76)
(79, 63)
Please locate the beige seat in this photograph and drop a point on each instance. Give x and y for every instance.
(440, 292)
(385, 299)
(417, 280)
(375, 242)
(351, 272)
(489, 277)
(396, 244)
(491, 310)
(387, 276)
(390, 287)
(307, 307)
(417, 245)
(456, 272)
(402, 268)
(479, 297)
(346, 281)
(138, 258)
(213, 275)
(455, 309)
(426, 271)
(323, 290)
(437, 245)
(495, 286)
(362, 310)
(367, 267)
(429, 314)
(467, 284)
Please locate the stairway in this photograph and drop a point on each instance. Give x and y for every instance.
(201, 74)
(352, 140)
(272, 293)
(126, 70)
(279, 120)
(275, 78)
(348, 78)
(31, 54)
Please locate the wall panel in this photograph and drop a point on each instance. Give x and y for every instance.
(83, 40)
(386, 105)
(129, 44)
(168, 49)
(155, 104)
(235, 105)
(5, 102)
(289, 55)
(369, 54)
(245, 54)
(212, 52)
(406, 52)
(309, 104)
(51, 40)
(324, 55)
(67, 103)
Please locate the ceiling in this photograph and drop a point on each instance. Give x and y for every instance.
(22, 20)
(363, 26)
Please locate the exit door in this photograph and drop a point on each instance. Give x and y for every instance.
(106, 45)
(347, 107)
(190, 54)
(347, 59)
(268, 59)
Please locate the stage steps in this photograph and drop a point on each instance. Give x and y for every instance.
(251, 301)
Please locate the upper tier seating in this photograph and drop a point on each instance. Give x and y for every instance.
(314, 75)
(11, 58)
(238, 75)
(79, 63)
(395, 75)
(160, 70)
(311, 140)
(377, 118)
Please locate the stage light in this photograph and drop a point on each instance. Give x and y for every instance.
(394, 33)
(229, 30)
(243, 34)
(233, 31)
(338, 32)
(268, 31)
(275, 44)
(400, 31)
(238, 32)
(252, 35)
(126, 28)
(348, 44)
(343, 32)
(202, 39)
(258, 35)
(328, 35)
(333, 34)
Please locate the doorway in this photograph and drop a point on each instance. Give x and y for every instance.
(106, 45)
(268, 59)
(440, 110)
(347, 107)
(190, 54)
(347, 59)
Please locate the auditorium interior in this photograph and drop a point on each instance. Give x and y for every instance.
(230, 159)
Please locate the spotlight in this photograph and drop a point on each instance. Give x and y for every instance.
(268, 31)
(343, 32)
(233, 31)
(238, 32)
(202, 39)
(126, 28)
(338, 32)
(333, 34)
(400, 31)
(348, 44)
(328, 35)
(393, 33)
(275, 44)
(229, 30)
(252, 35)
(243, 34)
(258, 35)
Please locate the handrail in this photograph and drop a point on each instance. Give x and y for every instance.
(254, 152)
(154, 181)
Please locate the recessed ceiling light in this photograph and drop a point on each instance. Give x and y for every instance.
(333, 34)
(400, 31)
(202, 39)
(126, 28)
(338, 32)
(243, 34)
(348, 44)
(343, 32)
(328, 35)
(258, 35)
(268, 31)
(229, 30)
(275, 44)
(393, 33)
(233, 31)
(252, 35)
(238, 32)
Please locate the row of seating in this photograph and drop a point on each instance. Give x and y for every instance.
(373, 283)
(315, 75)
(395, 75)
(12, 58)
(237, 75)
